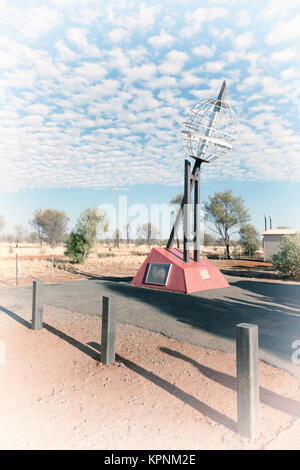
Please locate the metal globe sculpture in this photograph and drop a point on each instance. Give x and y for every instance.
(209, 130)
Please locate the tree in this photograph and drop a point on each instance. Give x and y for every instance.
(19, 234)
(176, 201)
(33, 237)
(208, 240)
(83, 237)
(128, 230)
(50, 225)
(117, 238)
(55, 226)
(149, 233)
(287, 261)
(224, 212)
(249, 239)
(38, 224)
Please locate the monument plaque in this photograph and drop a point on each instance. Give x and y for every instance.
(158, 274)
(204, 274)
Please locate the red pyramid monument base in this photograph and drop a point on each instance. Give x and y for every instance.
(183, 277)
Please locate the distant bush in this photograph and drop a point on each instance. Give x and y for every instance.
(105, 255)
(249, 239)
(287, 261)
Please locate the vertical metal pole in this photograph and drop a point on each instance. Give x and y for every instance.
(52, 263)
(197, 217)
(17, 270)
(186, 210)
(247, 380)
(108, 334)
(37, 305)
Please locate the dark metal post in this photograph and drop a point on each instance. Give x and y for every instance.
(108, 334)
(180, 211)
(186, 211)
(247, 380)
(197, 216)
(37, 305)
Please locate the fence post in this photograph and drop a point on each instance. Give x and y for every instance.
(37, 305)
(17, 270)
(108, 334)
(247, 380)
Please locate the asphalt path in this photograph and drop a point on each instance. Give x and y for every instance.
(207, 318)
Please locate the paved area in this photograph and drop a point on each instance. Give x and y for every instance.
(206, 319)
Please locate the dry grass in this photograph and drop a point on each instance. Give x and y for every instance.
(105, 260)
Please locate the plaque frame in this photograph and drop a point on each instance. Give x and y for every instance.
(165, 266)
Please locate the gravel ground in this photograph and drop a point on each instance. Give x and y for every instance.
(161, 393)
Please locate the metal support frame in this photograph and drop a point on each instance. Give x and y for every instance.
(197, 216)
(186, 211)
(194, 180)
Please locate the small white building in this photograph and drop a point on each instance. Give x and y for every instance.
(272, 239)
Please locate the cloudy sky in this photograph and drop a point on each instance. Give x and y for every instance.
(93, 95)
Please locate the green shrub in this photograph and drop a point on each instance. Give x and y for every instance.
(287, 261)
(250, 247)
(76, 247)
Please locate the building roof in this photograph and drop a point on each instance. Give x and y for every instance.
(281, 231)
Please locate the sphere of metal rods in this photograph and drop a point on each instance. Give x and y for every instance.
(209, 130)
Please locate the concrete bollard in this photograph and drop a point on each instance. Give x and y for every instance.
(108, 336)
(247, 380)
(37, 305)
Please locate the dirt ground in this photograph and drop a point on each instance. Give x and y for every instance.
(159, 394)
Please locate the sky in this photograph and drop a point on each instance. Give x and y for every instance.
(93, 95)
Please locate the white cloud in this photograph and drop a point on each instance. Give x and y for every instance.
(277, 8)
(91, 71)
(118, 60)
(284, 31)
(214, 67)
(162, 40)
(204, 51)
(118, 35)
(244, 41)
(142, 17)
(78, 36)
(290, 73)
(190, 79)
(195, 19)
(163, 82)
(244, 18)
(286, 55)
(74, 97)
(32, 23)
(174, 62)
(65, 53)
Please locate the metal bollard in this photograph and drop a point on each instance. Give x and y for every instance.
(247, 380)
(37, 305)
(108, 335)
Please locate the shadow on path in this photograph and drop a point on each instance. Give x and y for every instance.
(272, 399)
(199, 406)
(69, 339)
(92, 349)
(273, 308)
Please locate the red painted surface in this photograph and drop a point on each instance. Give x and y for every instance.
(184, 277)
